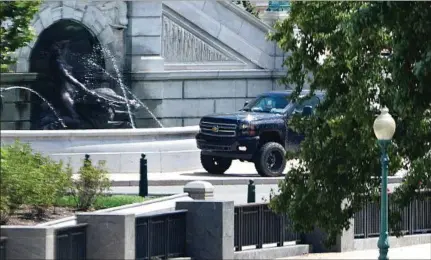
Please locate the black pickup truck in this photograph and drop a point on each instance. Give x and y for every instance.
(258, 133)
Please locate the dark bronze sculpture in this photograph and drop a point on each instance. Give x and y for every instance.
(79, 106)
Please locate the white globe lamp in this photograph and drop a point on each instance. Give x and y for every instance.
(384, 125)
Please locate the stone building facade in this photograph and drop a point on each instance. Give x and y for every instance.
(183, 59)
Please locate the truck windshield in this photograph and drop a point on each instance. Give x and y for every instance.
(268, 104)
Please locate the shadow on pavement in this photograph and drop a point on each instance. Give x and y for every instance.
(232, 175)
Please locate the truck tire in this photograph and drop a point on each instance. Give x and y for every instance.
(215, 165)
(270, 161)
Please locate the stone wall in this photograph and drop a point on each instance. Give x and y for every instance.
(16, 103)
(182, 98)
(175, 98)
(16, 110)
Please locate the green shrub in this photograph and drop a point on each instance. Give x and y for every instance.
(30, 178)
(92, 182)
(4, 199)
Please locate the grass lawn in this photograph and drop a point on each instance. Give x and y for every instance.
(103, 202)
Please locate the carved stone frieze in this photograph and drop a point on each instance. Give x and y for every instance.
(181, 46)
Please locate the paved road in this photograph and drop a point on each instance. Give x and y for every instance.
(237, 193)
(422, 251)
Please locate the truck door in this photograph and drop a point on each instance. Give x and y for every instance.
(293, 138)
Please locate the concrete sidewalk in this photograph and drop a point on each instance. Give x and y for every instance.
(238, 174)
(422, 251)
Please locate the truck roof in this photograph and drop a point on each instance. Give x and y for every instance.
(318, 93)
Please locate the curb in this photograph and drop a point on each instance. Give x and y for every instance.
(225, 181)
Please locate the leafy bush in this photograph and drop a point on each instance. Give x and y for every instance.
(4, 200)
(90, 185)
(30, 178)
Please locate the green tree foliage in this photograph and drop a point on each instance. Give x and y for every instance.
(339, 158)
(249, 7)
(15, 29)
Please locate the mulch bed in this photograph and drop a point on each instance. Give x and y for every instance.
(24, 216)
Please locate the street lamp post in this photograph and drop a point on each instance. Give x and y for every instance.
(384, 129)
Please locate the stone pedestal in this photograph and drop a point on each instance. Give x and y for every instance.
(210, 229)
(200, 190)
(271, 17)
(109, 236)
(29, 242)
(343, 243)
(144, 36)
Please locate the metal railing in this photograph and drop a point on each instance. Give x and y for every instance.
(161, 236)
(256, 225)
(415, 218)
(71, 242)
(3, 241)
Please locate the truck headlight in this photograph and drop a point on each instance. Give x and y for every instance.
(248, 129)
(244, 126)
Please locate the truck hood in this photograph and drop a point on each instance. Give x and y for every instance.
(242, 116)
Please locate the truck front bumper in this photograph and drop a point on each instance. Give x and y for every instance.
(236, 148)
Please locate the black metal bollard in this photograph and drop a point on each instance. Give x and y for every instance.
(87, 161)
(251, 194)
(143, 177)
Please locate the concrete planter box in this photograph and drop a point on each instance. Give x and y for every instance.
(152, 206)
(38, 242)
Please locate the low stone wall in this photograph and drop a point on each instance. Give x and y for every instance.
(407, 240)
(166, 149)
(204, 216)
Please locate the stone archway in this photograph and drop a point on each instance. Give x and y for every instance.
(89, 16)
(99, 23)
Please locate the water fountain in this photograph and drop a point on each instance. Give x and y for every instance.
(74, 112)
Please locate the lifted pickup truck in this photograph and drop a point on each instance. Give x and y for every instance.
(258, 133)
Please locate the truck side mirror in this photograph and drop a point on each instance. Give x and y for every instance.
(246, 103)
(307, 111)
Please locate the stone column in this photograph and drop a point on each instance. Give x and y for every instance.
(199, 190)
(109, 235)
(29, 242)
(210, 229)
(144, 36)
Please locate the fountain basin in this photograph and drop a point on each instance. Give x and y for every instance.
(170, 149)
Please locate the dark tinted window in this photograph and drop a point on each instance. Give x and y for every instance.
(312, 101)
(274, 104)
